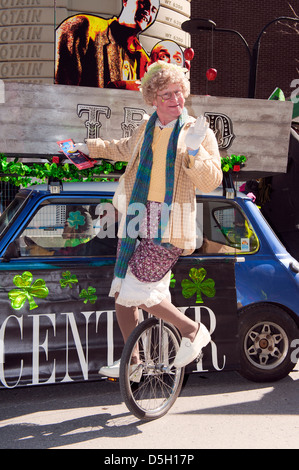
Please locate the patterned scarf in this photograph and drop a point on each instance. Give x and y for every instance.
(141, 186)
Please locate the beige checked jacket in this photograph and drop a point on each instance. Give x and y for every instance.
(202, 172)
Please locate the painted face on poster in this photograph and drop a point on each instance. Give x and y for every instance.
(139, 14)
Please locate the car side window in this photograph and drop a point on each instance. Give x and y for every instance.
(70, 229)
(225, 230)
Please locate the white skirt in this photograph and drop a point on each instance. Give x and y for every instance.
(133, 292)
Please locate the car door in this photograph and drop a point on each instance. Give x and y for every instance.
(57, 319)
(204, 282)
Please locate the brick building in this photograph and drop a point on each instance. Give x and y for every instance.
(278, 63)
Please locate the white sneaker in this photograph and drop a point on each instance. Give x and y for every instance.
(188, 351)
(113, 371)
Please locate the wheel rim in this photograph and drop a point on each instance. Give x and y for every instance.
(266, 345)
(160, 380)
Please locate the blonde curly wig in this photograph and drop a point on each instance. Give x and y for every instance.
(158, 76)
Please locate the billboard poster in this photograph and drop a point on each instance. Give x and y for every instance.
(107, 53)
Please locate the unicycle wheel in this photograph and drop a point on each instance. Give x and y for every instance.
(150, 388)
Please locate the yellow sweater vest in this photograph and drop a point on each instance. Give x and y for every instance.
(157, 186)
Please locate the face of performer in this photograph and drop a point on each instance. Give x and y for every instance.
(139, 14)
(170, 103)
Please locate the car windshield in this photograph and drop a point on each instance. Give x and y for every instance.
(10, 212)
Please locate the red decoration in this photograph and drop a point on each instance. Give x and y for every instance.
(189, 53)
(211, 74)
(55, 159)
(187, 64)
(236, 168)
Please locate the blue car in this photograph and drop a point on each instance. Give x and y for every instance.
(57, 321)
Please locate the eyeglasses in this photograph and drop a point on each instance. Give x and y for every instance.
(168, 95)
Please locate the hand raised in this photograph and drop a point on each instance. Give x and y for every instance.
(196, 133)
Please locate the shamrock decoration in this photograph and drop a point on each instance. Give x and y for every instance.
(88, 295)
(172, 280)
(18, 173)
(198, 285)
(68, 279)
(25, 291)
(75, 219)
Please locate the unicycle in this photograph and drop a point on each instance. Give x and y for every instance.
(150, 387)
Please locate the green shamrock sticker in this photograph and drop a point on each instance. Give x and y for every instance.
(68, 279)
(198, 285)
(88, 295)
(25, 291)
(172, 280)
(75, 219)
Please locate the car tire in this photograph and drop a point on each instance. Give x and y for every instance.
(266, 333)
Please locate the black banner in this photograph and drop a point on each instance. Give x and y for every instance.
(58, 324)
